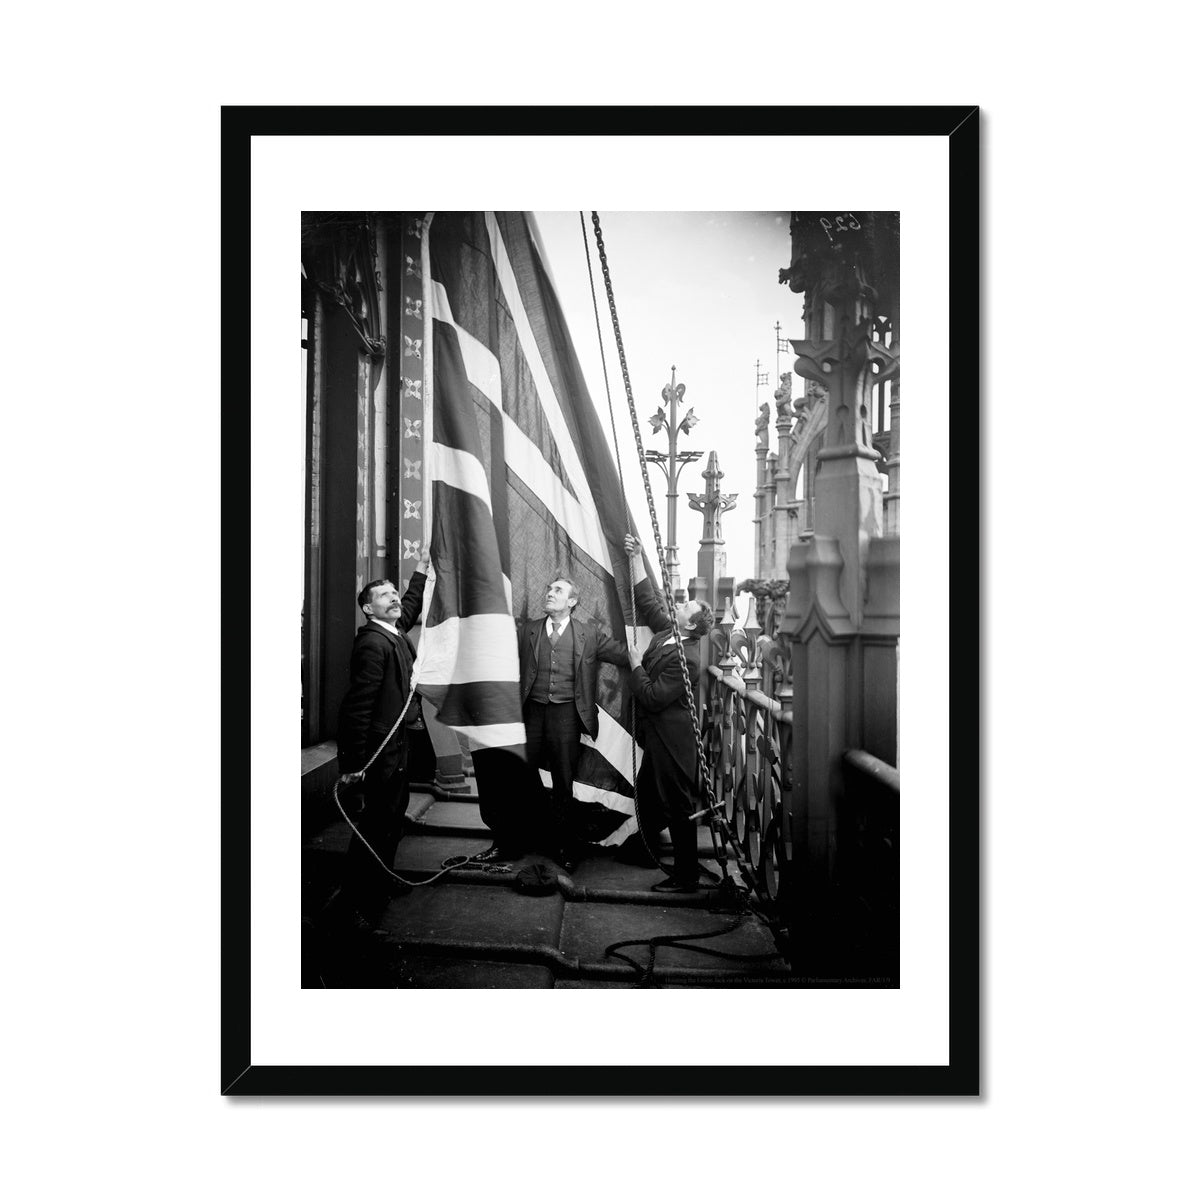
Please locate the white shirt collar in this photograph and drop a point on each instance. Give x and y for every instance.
(550, 624)
(384, 625)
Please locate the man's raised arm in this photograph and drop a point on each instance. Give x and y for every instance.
(649, 605)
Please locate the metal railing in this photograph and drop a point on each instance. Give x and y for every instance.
(747, 731)
(748, 740)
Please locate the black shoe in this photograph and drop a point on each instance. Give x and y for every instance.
(496, 853)
(568, 860)
(680, 886)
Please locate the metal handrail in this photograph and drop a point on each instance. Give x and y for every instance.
(759, 699)
(874, 768)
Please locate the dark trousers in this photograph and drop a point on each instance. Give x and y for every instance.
(385, 801)
(666, 796)
(552, 733)
(510, 802)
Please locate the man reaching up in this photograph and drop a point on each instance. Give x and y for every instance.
(667, 777)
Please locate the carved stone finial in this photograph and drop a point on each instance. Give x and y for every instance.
(761, 422)
(783, 402)
(713, 502)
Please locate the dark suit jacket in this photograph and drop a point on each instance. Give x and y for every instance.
(658, 687)
(380, 670)
(591, 647)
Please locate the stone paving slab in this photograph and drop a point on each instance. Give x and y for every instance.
(427, 851)
(486, 926)
(428, 971)
(454, 814)
(417, 846)
(458, 912)
(588, 928)
(588, 984)
(603, 871)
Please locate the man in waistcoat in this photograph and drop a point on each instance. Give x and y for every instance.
(559, 664)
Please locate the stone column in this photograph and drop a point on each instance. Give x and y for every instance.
(780, 516)
(849, 361)
(880, 652)
(712, 503)
(761, 447)
(449, 775)
(842, 617)
(821, 632)
(891, 498)
(770, 538)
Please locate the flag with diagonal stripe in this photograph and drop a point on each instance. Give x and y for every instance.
(522, 488)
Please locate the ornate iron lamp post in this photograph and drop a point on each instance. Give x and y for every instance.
(672, 464)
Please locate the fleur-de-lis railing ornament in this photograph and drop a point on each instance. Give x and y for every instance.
(741, 646)
(747, 732)
(752, 631)
(720, 637)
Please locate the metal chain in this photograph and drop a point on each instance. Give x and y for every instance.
(612, 420)
(706, 778)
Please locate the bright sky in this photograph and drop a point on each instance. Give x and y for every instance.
(696, 290)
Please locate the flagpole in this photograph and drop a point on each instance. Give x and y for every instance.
(426, 422)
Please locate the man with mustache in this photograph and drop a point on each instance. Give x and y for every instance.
(380, 674)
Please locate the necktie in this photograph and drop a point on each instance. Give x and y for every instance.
(555, 634)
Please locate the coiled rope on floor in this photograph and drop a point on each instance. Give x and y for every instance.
(455, 862)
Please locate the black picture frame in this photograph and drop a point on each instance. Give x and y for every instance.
(961, 1076)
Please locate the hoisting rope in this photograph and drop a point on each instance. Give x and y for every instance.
(722, 842)
(455, 861)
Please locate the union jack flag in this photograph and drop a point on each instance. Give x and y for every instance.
(523, 488)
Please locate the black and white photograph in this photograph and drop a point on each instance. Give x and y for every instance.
(591, 520)
(600, 681)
